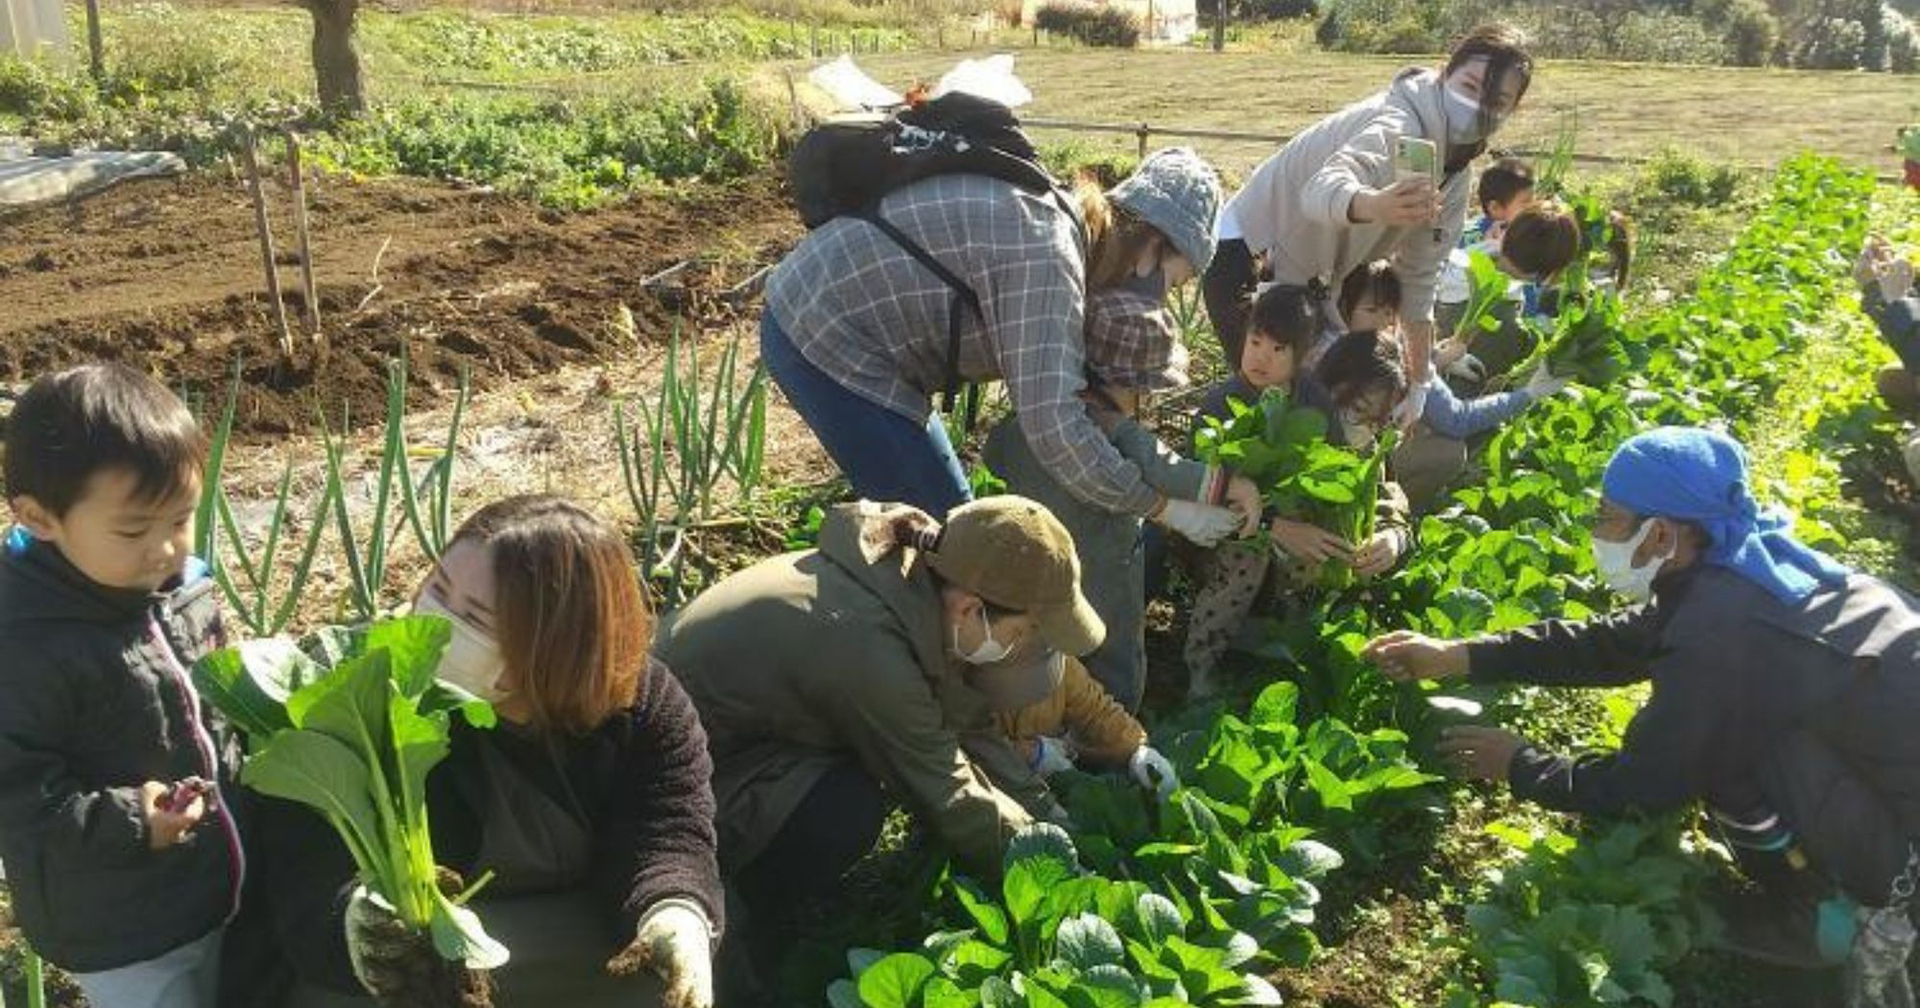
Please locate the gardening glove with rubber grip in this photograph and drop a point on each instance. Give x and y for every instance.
(1543, 384)
(674, 941)
(396, 963)
(1051, 755)
(1203, 524)
(379, 946)
(1152, 771)
(1468, 368)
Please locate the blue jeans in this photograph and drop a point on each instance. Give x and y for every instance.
(886, 456)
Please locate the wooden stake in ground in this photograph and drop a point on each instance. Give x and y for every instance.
(799, 115)
(251, 160)
(301, 235)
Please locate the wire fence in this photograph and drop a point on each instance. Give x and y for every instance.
(1145, 132)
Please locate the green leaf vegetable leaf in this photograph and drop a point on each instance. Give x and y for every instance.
(350, 723)
(1160, 919)
(1086, 941)
(895, 981)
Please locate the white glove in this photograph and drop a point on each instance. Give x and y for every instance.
(1152, 771)
(674, 941)
(1468, 368)
(1413, 407)
(1204, 524)
(1896, 279)
(1910, 453)
(1543, 384)
(1051, 755)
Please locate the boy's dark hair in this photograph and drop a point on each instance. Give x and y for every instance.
(1361, 362)
(1542, 241)
(83, 420)
(1507, 178)
(1375, 281)
(1286, 314)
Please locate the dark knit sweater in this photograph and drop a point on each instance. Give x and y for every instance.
(643, 779)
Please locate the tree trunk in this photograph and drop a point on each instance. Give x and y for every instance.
(336, 66)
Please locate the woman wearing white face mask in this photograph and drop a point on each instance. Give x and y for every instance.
(1329, 201)
(1785, 691)
(841, 681)
(591, 804)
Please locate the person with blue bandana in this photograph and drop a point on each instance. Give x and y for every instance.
(1785, 695)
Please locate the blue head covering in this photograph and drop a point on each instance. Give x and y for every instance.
(1697, 475)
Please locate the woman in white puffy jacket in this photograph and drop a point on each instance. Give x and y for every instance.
(1329, 201)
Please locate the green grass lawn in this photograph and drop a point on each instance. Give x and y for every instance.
(1739, 115)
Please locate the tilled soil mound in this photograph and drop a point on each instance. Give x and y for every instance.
(166, 275)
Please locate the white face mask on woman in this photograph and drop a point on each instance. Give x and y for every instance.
(988, 652)
(1463, 119)
(472, 660)
(1615, 562)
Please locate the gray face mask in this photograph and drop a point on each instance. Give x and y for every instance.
(1463, 119)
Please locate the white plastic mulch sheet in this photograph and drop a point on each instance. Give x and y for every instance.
(26, 179)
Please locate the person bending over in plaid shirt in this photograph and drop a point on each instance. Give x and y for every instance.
(856, 329)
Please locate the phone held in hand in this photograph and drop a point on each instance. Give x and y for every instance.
(1417, 157)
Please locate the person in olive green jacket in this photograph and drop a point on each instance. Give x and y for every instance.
(837, 682)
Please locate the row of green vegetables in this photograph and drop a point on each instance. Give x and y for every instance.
(1194, 897)
(1603, 921)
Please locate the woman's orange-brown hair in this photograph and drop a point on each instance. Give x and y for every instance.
(571, 620)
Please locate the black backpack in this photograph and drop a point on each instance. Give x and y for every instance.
(844, 168)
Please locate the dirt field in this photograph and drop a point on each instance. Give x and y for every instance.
(1745, 116)
(168, 273)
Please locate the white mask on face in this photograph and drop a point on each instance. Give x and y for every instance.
(1615, 561)
(988, 652)
(1359, 435)
(472, 660)
(1463, 119)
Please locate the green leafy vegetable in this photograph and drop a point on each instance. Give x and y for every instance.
(352, 734)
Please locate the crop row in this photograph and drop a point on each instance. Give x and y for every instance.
(1195, 897)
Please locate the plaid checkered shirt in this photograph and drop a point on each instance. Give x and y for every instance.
(860, 308)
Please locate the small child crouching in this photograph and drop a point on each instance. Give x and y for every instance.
(1080, 725)
(1356, 383)
(1435, 452)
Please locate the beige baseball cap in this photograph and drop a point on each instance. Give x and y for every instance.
(1014, 553)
